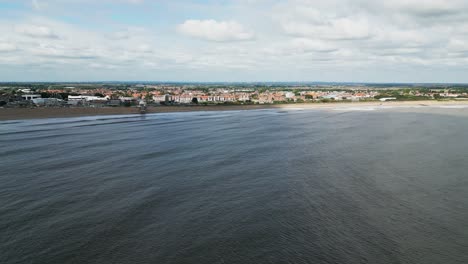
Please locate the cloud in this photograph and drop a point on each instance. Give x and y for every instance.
(428, 8)
(65, 52)
(408, 30)
(120, 35)
(310, 45)
(254, 37)
(339, 29)
(36, 5)
(35, 31)
(7, 47)
(213, 30)
(458, 45)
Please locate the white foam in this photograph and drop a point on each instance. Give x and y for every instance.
(387, 107)
(363, 108)
(454, 106)
(294, 108)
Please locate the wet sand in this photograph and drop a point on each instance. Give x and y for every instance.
(33, 113)
(49, 112)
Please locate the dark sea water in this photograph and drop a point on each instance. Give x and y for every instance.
(270, 186)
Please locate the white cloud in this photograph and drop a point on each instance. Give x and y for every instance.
(436, 8)
(35, 4)
(215, 31)
(407, 30)
(313, 35)
(120, 35)
(310, 45)
(36, 31)
(458, 45)
(7, 47)
(339, 29)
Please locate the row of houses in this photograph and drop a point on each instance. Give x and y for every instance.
(179, 96)
(188, 98)
(89, 100)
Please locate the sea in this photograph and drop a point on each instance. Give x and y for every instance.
(260, 186)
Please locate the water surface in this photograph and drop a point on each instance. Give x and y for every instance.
(267, 186)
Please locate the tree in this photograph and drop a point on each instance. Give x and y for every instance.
(148, 97)
(195, 100)
(46, 95)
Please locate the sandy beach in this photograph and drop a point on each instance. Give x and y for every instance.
(33, 113)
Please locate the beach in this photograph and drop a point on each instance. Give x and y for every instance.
(50, 112)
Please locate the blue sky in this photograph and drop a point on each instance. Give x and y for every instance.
(238, 40)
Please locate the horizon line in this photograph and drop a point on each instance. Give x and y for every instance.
(238, 82)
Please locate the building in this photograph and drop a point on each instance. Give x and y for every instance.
(183, 99)
(384, 99)
(47, 101)
(126, 99)
(289, 95)
(163, 98)
(31, 96)
(86, 98)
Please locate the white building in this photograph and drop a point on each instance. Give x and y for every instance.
(243, 97)
(383, 99)
(47, 101)
(31, 96)
(163, 98)
(289, 95)
(86, 98)
(183, 99)
(126, 99)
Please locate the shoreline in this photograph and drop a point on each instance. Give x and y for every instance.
(39, 113)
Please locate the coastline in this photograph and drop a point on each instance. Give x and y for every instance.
(38, 113)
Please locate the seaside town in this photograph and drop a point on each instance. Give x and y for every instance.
(30, 95)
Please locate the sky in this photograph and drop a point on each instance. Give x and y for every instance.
(234, 40)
